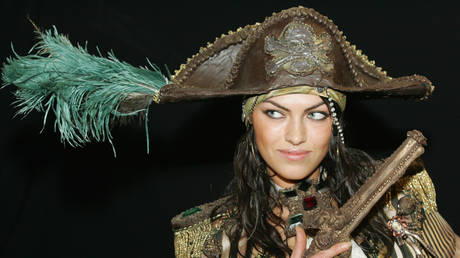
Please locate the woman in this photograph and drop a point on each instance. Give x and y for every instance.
(295, 68)
(294, 133)
(291, 138)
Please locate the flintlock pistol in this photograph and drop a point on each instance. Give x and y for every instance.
(332, 224)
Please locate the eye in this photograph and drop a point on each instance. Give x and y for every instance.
(273, 114)
(318, 115)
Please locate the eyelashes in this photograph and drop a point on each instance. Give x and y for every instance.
(273, 114)
(314, 115)
(318, 115)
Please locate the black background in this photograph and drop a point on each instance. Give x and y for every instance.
(57, 201)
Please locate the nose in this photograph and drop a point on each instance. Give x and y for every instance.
(296, 131)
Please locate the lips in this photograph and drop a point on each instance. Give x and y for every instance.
(294, 155)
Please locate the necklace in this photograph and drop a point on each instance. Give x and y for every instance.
(306, 202)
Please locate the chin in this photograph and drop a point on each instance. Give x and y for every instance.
(297, 177)
(294, 174)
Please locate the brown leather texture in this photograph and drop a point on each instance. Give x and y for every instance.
(236, 63)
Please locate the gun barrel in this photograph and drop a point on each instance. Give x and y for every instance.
(358, 206)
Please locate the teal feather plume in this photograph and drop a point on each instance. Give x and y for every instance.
(85, 92)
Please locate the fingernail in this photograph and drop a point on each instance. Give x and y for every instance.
(346, 245)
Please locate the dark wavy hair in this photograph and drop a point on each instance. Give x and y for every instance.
(251, 192)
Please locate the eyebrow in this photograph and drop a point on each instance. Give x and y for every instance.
(287, 109)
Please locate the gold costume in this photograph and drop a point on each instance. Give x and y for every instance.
(192, 228)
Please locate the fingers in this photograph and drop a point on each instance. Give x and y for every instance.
(333, 251)
(300, 243)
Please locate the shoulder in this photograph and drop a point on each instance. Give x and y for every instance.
(199, 214)
(417, 184)
(412, 200)
(194, 227)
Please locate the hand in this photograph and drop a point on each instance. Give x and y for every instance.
(301, 243)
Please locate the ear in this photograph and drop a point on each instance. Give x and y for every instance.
(250, 119)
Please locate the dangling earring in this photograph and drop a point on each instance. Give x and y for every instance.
(250, 140)
(253, 152)
(322, 173)
(335, 119)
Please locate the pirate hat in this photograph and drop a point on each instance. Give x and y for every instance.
(294, 47)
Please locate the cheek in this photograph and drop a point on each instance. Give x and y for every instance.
(321, 135)
(267, 132)
(265, 136)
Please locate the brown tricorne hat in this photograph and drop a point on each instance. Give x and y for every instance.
(297, 46)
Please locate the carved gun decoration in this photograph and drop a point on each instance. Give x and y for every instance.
(312, 209)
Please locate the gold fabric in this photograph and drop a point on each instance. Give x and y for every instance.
(189, 241)
(250, 103)
(425, 221)
(422, 187)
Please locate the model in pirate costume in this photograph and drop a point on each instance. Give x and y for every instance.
(295, 60)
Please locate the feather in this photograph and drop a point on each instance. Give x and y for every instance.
(85, 92)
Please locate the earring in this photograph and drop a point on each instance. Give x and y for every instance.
(246, 113)
(322, 173)
(252, 150)
(335, 119)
